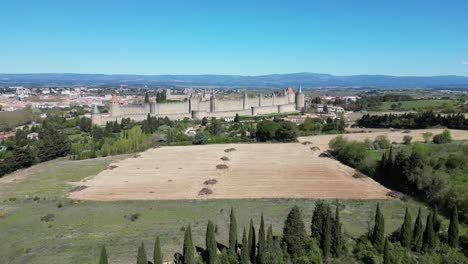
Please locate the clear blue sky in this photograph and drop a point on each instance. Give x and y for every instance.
(398, 37)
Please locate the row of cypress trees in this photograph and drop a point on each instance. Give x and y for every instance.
(326, 234)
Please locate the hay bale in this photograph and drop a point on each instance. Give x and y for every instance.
(222, 166)
(229, 150)
(306, 143)
(326, 154)
(315, 148)
(78, 188)
(359, 175)
(224, 158)
(136, 155)
(111, 167)
(205, 191)
(210, 182)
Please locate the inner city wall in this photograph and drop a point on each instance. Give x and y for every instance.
(198, 108)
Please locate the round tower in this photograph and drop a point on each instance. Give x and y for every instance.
(300, 100)
(95, 116)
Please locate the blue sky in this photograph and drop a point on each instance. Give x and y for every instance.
(397, 37)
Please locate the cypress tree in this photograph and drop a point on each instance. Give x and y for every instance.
(269, 244)
(245, 258)
(142, 258)
(261, 255)
(429, 236)
(294, 235)
(418, 233)
(318, 217)
(436, 220)
(188, 249)
(337, 240)
(147, 100)
(157, 254)
(233, 232)
(387, 256)
(405, 231)
(252, 242)
(326, 237)
(103, 258)
(453, 229)
(211, 246)
(378, 233)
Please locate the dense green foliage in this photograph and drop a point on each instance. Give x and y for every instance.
(413, 120)
(233, 232)
(141, 257)
(378, 232)
(188, 248)
(103, 259)
(406, 230)
(294, 234)
(157, 253)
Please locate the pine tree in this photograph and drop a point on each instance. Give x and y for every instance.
(318, 218)
(188, 249)
(157, 254)
(406, 231)
(103, 258)
(429, 236)
(245, 258)
(211, 245)
(269, 244)
(294, 235)
(233, 232)
(326, 236)
(252, 242)
(387, 256)
(453, 229)
(337, 240)
(418, 233)
(378, 233)
(261, 255)
(142, 258)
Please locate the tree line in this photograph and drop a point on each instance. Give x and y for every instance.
(326, 242)
(414, 121)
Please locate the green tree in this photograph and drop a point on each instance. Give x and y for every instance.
(266, 130)
(211, 245)
(233, 232)
(199, 138)
(387, 256)
(237, 118)
(406, 230)
(103, 258)
(429, 238)
(318, 217)
(378, 233)
(418, 233)
(157, 253)
(337, 239)
(261, 255)
(294, 235)
(436, 220)
(147, 99)
(286, 132)
(326, 238)
(188, 249)
(269, 245)
(453, 229)
(252, 242)
(245, 258)
(142, 258)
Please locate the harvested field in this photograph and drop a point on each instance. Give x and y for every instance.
(255, 171)
(321, 141)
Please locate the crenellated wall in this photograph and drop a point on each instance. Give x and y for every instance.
(198, 108)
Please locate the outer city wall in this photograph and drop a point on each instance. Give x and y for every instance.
(197, 108)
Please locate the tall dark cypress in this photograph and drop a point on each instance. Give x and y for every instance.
(294, 235)
(406, 231)
(103, 259)
(142, 258)
(337, 239)
(436, 220)
(157, 253)
(269, 244)
(318, 217)
(261, 255)
(188, 249)
(429, 235)
(418, 233)
(378, 233)
(233, 232)
(211, 245)
(147, 100)
(252, 242)
(387, 256)
(453, 229)
(326, 236)
(245, 258)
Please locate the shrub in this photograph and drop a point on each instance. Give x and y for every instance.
(382, 142)
(443, 138)
(199, 139)
(48, 218)
(407, 139)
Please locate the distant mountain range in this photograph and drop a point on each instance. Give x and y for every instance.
(308, 80)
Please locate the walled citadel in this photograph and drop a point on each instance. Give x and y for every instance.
(197, 108)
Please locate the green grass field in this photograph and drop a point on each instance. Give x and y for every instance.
(420, 105)
(79, 228)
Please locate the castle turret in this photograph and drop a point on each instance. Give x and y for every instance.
(114, 106)
(300, 100)
(213, 103)
(260, 99)
(95, 115)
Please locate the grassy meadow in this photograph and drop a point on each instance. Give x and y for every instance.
(38, 224)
